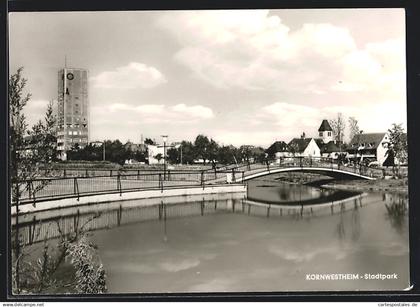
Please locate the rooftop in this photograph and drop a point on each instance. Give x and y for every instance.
(325, 126)
(299, 144)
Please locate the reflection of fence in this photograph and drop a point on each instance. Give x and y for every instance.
(35, 229)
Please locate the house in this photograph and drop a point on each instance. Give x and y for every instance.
(331, 150)
(156, 154)
(370, 146)
(304, 147)
(278, 150)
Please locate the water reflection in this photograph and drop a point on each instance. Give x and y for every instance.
(293, 194)
(228, 242)
(396, 210)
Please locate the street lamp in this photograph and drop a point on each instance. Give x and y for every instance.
(165, 138)
(358, 146)
(103, 151)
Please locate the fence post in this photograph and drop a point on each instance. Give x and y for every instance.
(64, 173)
(119, 183)
(160, 183)
(202, 179)
(243, 175)
(76, 187)
(29, 186)
(138, 174)
(33, 192)
(169, 174)
(86, 171)
(233, 175)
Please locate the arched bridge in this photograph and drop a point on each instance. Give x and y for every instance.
(308, 165)
(335, 173)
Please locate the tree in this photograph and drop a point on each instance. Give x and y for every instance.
(173, 155)
(227, 154)
(22, 165)
(338, 125)
(149, 141)
(202, 145)
(158, 157)
(141, 156)
(212, 149)
(353, 127)
(294, 148)
(398, 143)
(188, 152)
(29, 149)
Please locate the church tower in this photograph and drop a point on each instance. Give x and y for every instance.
(326, 132)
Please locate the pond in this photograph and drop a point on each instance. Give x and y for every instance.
(277, 238)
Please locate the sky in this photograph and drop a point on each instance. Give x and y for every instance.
(240, 76)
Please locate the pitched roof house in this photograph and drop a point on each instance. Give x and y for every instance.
(277, 146)
(304, 147)
(373, 146)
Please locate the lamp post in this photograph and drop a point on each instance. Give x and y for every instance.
(181, 153)
(165, 138)
(359, 145)
(103, 151)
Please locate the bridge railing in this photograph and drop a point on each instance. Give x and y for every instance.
(300, 162)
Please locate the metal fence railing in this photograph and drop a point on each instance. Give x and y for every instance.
(36, 190)
(97, 181)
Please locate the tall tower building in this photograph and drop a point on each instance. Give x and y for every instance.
(72, 109)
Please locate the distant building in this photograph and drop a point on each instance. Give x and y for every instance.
(278, 150)
(155, 151)
(331, 150)
(304, 147)
(72, 109)
(371, 146)
(325, 132)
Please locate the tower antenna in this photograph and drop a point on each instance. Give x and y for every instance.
(65, 61)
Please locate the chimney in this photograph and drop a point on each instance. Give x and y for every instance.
(303, 135)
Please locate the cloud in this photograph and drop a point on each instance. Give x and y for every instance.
(159, 112)
(134, 75)
(176, 266)
(255, 50)
(193, 111)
